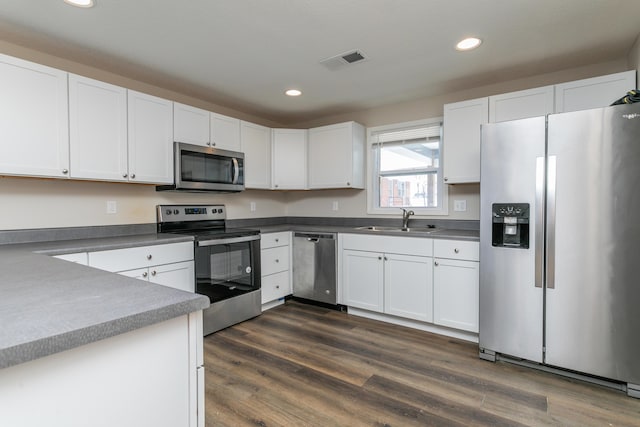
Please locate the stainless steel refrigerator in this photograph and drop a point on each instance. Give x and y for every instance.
(560, 242)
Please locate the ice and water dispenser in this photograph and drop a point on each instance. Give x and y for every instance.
(510, 226)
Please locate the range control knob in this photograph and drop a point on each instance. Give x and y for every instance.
(168, 212)
(220, 210)
(214, 210)
(176, 211)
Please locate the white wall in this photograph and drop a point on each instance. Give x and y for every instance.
(50, 203)
(634, 58)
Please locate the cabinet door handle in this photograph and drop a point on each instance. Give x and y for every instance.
(133, 175)
(277, 286)
(153, 273)
(124, 175)
(213, 144)
(380, 258)
(456, 250)
(149, 256)
(277, 240)
(65, 171)
(209, 144)
(436, 263)
(446, 179)
(145, 274)
(277, 260)
(348, 183)
(386, 259)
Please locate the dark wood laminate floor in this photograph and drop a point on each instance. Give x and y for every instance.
(301, 365)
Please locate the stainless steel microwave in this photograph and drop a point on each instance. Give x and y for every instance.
(198, 168)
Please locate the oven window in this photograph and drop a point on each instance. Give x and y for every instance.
(225, 271)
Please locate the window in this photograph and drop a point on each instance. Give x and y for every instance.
(404, 170)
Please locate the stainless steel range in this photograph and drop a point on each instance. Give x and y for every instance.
(227, 262)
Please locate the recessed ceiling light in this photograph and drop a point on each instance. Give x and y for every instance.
(80, 3)
(293, 92)
(468, 43)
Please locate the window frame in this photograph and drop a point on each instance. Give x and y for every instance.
(373, 190)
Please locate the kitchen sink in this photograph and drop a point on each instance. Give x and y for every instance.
(408, 229)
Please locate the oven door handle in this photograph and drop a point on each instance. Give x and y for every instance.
(228, 241)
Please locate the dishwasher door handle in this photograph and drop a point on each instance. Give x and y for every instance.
(313, 239)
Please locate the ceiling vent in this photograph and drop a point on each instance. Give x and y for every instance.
(343, 59)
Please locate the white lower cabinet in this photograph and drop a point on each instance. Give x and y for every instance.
(409, 286)
(169, 265)
(178, 275)
(456, 284)
(151, 376)
(391, 275)
(275, 265)
(412, 281)
(363, 275)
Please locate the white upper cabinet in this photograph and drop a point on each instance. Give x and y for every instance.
(462, 121)
(190, 124)
(34, 126)
(289, 151)
(150, 131)
(225, 132)
(256, 145)
(521, 105)
(336, 156)
(595, 92)
(98, 129)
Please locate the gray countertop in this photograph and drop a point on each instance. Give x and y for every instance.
(438, 233)
(48, 305)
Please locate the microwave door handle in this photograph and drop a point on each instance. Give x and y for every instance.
(236, 170)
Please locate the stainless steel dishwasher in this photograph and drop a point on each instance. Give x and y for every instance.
(314, 266)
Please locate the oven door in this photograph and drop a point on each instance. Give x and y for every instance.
(227, 267)
(200, 168)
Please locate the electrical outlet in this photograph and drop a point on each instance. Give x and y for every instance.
(335, 205)
(460, 205)
(112, 207)
(252, 206)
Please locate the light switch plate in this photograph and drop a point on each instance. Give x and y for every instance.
(112, 207)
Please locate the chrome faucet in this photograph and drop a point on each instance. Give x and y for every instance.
(405, 217)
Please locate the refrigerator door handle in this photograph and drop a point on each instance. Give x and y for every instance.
(551, 222)
(539, 222)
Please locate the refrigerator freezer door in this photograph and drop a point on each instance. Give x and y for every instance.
(592, 322)
(512, 171)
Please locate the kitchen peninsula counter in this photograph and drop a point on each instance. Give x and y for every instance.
(48, 305)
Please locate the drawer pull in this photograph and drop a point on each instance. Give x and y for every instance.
(456, 250)
(145, 274)
(277, 240)
(149, 256)
(277, 286)
(277, 260)
(153, 273)
(435, 263)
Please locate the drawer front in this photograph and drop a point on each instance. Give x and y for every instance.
(274, 260)
(79, 257)
(143, 256)
(418, 246)
(275, 286)
(272, 240)
(456, 249)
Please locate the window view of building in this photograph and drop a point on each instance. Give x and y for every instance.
(407, 167)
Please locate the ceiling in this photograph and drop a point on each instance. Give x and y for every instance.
(243, 54)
